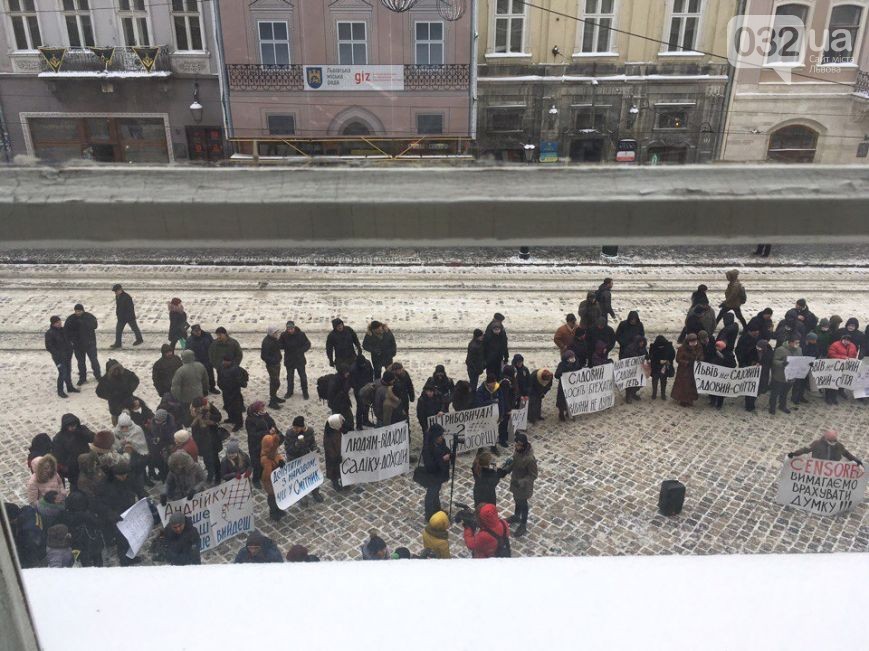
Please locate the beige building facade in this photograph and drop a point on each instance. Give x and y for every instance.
(812, 103)
(574, 80)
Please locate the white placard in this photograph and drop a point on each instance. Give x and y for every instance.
(714, 380)
(135, 525)
(375, 454)
(835, 373)
(218, 513)
(629, 372)
(798, 367)
(861, 383)
(376, 78)
(518, 419)
(296, 479)
(820, 486)
(479, 426)
(589, 389)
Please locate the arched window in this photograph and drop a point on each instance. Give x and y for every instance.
(356, 128)
(788, 30)
(793, 144)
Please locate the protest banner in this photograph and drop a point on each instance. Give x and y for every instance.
(375, 454)
(589, 389)
(861, 383)
(218, 513)
(835, 373)
(726, 382)
(518, 419)
(820, 486)
(478, 426)
(135, 525)
(296, 479)
(629, 372)
(798, 367)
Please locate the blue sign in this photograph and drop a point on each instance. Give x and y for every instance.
(548, 151)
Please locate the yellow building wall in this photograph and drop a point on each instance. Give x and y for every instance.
(544, 30)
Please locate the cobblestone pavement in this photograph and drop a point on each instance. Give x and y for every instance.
(599, 475)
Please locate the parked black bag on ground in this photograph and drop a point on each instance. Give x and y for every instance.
(671, 498)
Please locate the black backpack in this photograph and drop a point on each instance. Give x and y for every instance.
(243, 377)
(323, 386)
(503, 550)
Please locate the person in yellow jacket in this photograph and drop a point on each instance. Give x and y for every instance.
(435, 536)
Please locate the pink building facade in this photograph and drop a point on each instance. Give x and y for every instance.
(341, 68)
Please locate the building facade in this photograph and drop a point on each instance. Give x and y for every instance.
(116, 80)
(555, 88)
(341, 69)
(805, 97)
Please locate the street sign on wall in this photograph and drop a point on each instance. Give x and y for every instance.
(354, 78)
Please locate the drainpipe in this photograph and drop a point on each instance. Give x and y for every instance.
(5, 141)
(728, 92)
(217, 26)
(472, 91)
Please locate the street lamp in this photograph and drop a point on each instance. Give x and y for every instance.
(399, 6)
(196, 108)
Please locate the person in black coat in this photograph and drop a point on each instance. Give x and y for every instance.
(723, 357)
(580, 347)
(380, 342)
(231, 379)
(495, 349)
(601, 332)
(71, 441)
(568, 364)
(699, 297)
(85, 528)
(729, 332)
(112, 497)
(693, 322)
(748, 354)
(475, 360)
(116, 387)
(208, 436)
(270, 354)
(338, 396)
(81, 329)
(762, 322)
(661, 358)
(199, 342)
(295, 344)
(486, 478)
(604, 297)
(258, 423)
(180, 541)
(539, 385)
(444, 386)
(637, 348)
(58, 345)
(361, 373)
(435, 459)
(177, 322)
(429, 404)
(522, 378)
(342, 345)
(463, 396)
(403, 387)
(164, 369)
(852, 329)
(627, 330)
(126, 313)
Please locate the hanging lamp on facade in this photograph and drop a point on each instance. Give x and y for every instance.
(451, 10)
(399, 6)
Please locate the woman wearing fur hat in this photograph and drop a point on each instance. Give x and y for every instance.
(177, 322)
(45, 478)
(332, 449)
(258, 423)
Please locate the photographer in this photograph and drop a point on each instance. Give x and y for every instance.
(436, 460)
(493, 538)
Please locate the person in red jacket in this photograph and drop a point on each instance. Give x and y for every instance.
(484, 543)
(842, 349)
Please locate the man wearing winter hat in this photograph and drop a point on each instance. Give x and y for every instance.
(181, 541)
(236, 464)
(81, 327)
(126, 313)
(58, 345)
(342, 345)
(295, 344)
(475, 360)
(259, 549)
(164, 369)
(270, 354)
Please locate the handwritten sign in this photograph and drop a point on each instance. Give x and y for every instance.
(629, 372)
(589, 389)
(375, 454)
(820, 486)
(478, 426)
(296, 479)
(136, 524)
(727, 382)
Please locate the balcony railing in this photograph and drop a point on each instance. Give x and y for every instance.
(84, 63)
(255, 77)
